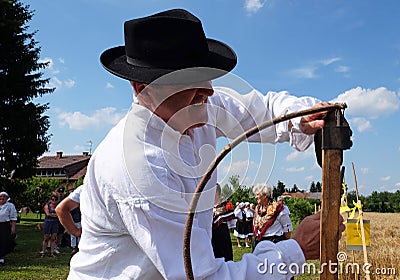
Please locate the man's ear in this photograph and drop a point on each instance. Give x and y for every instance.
(138, 87)
(142, 94)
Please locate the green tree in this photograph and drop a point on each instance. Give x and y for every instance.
(241, 192)
(37, 192)
(23, 125)
(313, 188)
(318, 187)
(279, 189)
(226, 192)
(299, 209)
(295, 189)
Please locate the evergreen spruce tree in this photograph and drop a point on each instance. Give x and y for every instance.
(23, 125)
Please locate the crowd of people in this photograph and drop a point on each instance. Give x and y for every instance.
(244, 213)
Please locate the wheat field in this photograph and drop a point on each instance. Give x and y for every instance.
(383, 256)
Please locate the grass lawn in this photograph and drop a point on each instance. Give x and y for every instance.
(25, 262)
(238, 251)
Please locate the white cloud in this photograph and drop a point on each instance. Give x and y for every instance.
(50, 66)
(305, 72)
(397, 184)
(109, 85)
(47, 60)
(55, 82)
(69, 83)
(387, 178)
(371, 103)
(361, 124)
(237, 167)
(309, 178)
(310, 71)
(296, 155)
(80, 121)
(58, 84)
(252, 6)
(342, 69)
(295, 169)
(79, 148)
(364, 170)
(330, 60)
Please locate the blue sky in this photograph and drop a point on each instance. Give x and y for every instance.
(347, 51)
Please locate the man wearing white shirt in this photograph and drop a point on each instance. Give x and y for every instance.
(141, 178)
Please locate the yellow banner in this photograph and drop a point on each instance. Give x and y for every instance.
(353, 234)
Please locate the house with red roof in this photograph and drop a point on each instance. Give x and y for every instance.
(68, 168)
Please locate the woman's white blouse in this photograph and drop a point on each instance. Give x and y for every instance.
(8, 212)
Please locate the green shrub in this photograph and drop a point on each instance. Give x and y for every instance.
(299, 209)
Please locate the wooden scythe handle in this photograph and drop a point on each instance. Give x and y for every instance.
(218, 159)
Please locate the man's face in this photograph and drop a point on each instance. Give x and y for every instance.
(182, 107)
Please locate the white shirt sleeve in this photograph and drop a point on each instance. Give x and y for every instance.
(237, 113)
(76, 194)
(13, 212)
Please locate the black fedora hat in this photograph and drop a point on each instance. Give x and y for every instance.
(165, 43)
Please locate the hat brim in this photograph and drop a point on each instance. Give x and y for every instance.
(220, 60)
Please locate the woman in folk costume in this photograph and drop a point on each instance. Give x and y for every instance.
(271, 220)
(221, 238)
(241, 231)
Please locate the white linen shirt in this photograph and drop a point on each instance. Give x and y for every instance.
(140, 182)
(76, 194)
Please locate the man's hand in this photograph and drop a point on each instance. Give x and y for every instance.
(308, 235)
(311, 123)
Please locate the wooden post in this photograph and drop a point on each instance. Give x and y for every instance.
(331, 186)
(360, 213)
(335, 137)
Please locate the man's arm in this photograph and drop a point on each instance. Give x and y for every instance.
(63, 212)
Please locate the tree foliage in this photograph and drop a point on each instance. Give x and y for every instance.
(241, 193)
(23, 125)
(315, 187)
(299, 208)
(37, 192)
(279, 190)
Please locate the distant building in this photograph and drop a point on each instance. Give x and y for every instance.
(68, 168)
